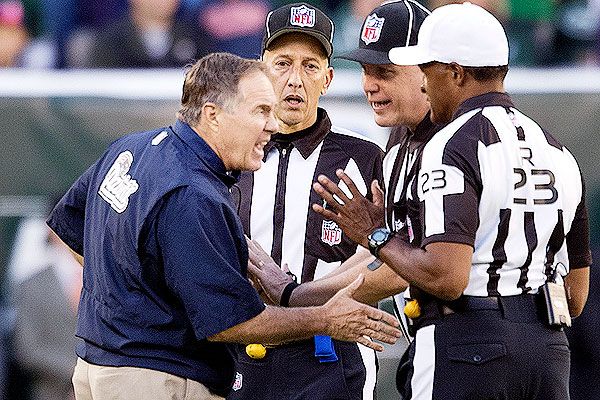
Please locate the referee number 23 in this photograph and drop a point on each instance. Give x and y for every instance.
(543, 181)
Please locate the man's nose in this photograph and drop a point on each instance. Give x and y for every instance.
(369, 85)
(272, 124)
(294, 79)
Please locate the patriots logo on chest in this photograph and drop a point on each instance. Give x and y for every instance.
(118, 185)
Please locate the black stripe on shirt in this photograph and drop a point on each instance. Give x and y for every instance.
(498, 252)
(532, 242)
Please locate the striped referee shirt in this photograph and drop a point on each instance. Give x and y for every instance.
(276, 201)
(399, 167)
(493, 179)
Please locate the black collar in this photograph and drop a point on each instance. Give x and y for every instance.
(306, 140)
(483, 100)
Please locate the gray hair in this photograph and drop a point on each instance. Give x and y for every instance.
(213, 79)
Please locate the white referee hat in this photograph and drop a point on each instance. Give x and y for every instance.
(462, 33)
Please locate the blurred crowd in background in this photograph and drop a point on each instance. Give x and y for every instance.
(37, 341)
(170, 33)
(43, 281)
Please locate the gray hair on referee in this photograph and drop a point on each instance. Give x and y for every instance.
(214, 79)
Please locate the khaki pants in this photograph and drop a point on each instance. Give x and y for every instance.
(95, 382)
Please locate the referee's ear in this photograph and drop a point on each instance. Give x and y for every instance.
(458, 73)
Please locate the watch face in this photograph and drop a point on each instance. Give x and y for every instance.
(379, 235)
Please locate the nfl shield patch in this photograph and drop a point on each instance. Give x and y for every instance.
(302, 16)
(372, 28)
(237, 385)
(331, 233)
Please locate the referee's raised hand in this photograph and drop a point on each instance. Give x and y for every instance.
(355, 214)
(352, 321)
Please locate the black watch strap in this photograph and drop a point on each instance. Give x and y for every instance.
(379, 238)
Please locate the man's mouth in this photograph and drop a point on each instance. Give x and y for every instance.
(377, 105)
(293, 100)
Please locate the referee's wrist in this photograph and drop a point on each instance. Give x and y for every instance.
(378, 239)
(284, 301)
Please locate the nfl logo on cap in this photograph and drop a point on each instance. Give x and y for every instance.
(372, 29)
(302, 16)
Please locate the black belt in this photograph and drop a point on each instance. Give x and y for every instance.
(519, 307)
(471, 303)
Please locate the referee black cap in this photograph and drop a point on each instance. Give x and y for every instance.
(392, 24)
(299, 18)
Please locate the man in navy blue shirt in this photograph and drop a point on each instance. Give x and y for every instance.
(165, 282)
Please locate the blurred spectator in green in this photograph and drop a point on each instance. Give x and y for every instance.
(530, 26)
(235, 25)
(34, 20)
(532, 32)
(149, 36)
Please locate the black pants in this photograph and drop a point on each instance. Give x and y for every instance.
(505, 354)
(292, 372)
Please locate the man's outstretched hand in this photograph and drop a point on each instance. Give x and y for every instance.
(357, 322)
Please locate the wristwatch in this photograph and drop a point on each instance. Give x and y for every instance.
(378, 238)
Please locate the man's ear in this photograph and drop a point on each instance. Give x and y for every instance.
(328, 79)
(458, 73)
(210, 114)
